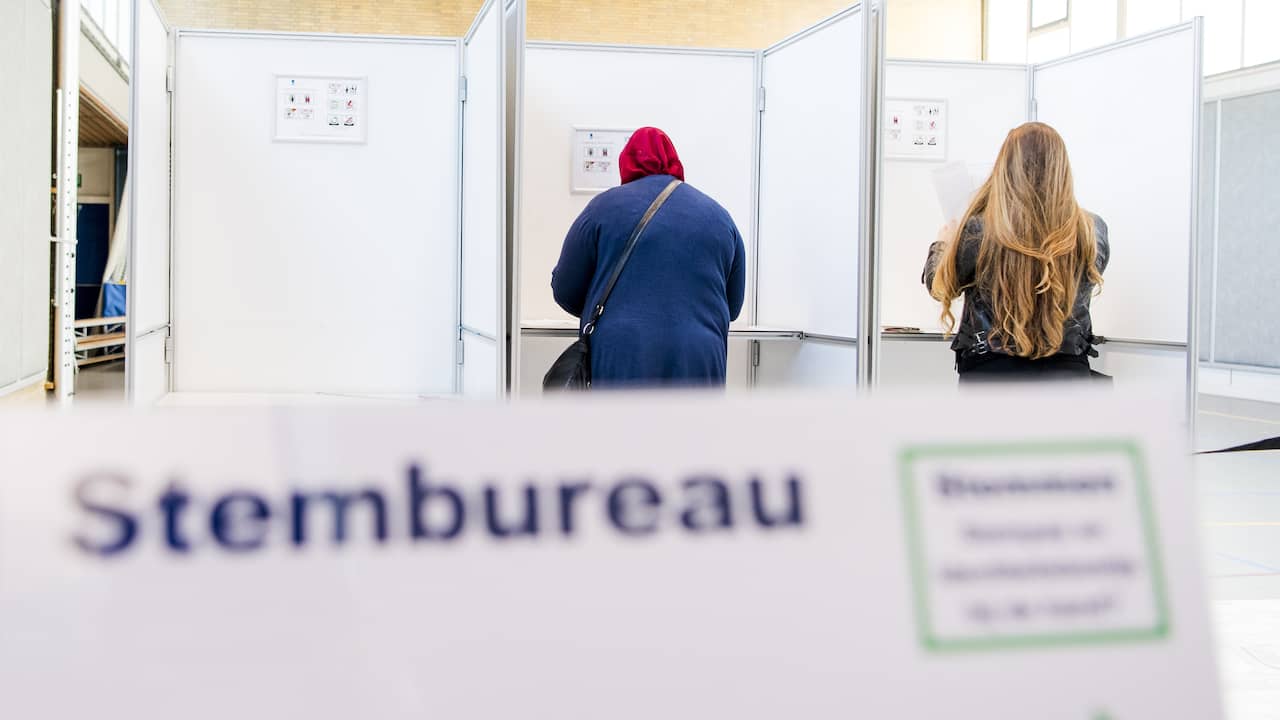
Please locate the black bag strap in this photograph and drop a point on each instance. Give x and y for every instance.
(626, 255)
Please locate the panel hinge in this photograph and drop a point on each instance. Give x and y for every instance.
(755, 353)
(462, 88)
(168, 350)
(168, 78)
(760, 99)
(461, 352)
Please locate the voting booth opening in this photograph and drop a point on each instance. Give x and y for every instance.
(744, 122)
(830, 240)
(816, 557)
(319, 213)
(942, 125)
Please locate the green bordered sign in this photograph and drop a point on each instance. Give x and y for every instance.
(1023, 545)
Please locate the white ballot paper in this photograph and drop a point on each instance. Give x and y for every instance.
(955, 183)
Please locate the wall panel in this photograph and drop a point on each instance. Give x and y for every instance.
(315, 267)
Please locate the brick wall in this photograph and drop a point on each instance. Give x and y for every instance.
(448, 18)
(700, 23)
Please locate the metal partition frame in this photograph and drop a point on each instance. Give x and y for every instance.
(873, 170)
(513, 87)
(1193, 276)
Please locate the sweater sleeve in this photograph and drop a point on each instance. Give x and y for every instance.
(966, 260)
(571, 279)
(1104, 243)
(737, 285)
(936, 249)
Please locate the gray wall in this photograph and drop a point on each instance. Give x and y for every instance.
(26, 52)
(1246, 318)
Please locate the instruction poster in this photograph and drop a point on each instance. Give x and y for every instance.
(321, 109)
(915, 129)
(595, 158)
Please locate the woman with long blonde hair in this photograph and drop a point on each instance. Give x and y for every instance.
(1027, 259)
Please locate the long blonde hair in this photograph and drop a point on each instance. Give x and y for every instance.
(1037, 245)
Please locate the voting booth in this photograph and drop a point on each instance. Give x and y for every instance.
(318, 213)
(379, 216)
(1129, 113)
(779, 137)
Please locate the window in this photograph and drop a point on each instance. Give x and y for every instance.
(1144, 16)
(1049, 44)
(1261, 22)
(1048, 12)
(1094, 23)
(113, 19)
(95, 9)
(1223, 32)
(1237, 33)
(1006, 31)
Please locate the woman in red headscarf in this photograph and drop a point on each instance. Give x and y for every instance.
(683, 283)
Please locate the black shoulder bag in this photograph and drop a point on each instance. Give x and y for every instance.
(572, 370)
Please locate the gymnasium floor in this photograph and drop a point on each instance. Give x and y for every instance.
(1240, 507)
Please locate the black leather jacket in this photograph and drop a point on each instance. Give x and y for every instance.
(973, 336)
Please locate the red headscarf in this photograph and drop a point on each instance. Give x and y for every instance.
(649, 152)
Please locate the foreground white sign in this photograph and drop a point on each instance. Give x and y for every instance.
(321, 109)
(619, 558)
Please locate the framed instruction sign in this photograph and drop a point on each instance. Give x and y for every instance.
(310, 108)
(594, 158)
(1026, 544)
(915, 129)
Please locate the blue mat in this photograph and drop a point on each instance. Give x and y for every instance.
(113, 297)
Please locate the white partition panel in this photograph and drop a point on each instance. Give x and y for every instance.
(151, 384)
(810, 146)
(703, 99)
(483, 160)
(1127, 113)
(315, 266)
(537, 352)
(738, 369)
(807, 364)
(916, 363)
(1157, 369)
(983, 103)
(480, 366)
(149, 199)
